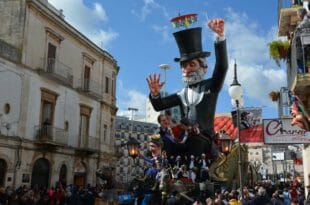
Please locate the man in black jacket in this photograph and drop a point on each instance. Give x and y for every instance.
(198, 99)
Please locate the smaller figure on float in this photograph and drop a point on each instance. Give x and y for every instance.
(152, 174)
(155, 147)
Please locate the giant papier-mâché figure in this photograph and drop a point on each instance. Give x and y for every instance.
(198, 99)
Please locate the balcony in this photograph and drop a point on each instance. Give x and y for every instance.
(91, 88)
(88, 145)
(48, 134)
(299, 76)
(57, 70)
(287, 16)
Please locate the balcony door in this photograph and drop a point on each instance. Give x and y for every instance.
(48, 103)
(85, 112)
(51, 56)
(84, 131)
(86, 78)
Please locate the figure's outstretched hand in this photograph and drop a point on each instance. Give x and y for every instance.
(217, 25)
(154, 84)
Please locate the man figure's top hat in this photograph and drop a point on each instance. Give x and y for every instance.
(189, 43)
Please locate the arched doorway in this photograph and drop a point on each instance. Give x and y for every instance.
(63, 175)
(40, 173)
(3, 168)
(80, 174)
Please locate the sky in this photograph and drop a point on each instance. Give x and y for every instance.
(139, 35)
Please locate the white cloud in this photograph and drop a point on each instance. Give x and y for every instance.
(100, 12)
(130, 98)
(147, 8)
(163, 31)
(88, 20)
(257, 73)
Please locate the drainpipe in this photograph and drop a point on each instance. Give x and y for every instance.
(18, 161)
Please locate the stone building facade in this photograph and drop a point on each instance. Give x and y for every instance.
(57, 105)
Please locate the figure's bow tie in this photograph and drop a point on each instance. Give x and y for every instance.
(193, 85)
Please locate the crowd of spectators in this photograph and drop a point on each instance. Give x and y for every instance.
(265, 193)
(69, 195)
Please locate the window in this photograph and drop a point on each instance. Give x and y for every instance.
(85, 112)
(113, 87)
(47, 112)
(66, 126)
(7, 108)
(88, 62)
(105, 130)
(53, 41)
(86, 79)
(107, 82)
(51, 56)
(48, 102)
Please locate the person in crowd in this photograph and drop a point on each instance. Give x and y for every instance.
(261, 197)
(203, 165)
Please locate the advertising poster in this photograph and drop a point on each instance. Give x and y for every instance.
(280, 131)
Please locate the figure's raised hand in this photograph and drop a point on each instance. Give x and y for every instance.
(217, 25)
(154, 84)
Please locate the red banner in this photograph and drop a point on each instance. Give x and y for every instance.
(251, 127)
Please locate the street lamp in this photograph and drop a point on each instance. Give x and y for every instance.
(164, 67)
(236, 93)
(226, 142)
(133, 147)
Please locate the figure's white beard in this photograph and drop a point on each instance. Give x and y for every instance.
(194, 77)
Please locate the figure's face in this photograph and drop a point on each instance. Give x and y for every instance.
(298, 119)
(155, 149)
(189, 66)
(164, 122)
(193, 71)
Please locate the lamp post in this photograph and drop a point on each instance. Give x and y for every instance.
(236, 93)
(132, 109)
(164, 67)
(132, 144)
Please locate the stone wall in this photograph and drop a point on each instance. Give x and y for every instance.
(12, 15)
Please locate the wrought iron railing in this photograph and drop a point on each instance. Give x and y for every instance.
(90, 86)
(89, 143)
(299, 59)
(51, 134)
(58, 69)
